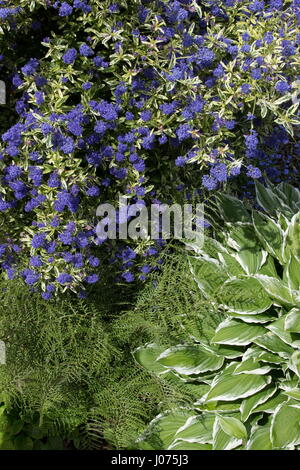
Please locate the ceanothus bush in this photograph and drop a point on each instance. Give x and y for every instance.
(147, 99)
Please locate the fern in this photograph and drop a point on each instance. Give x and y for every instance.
(70, 369)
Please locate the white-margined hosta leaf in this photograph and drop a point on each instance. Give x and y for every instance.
(273, 343)
(209, 275)
(278, 327)
(252, 366)
(285, 427)
(244, 295)
(269, 233)
(233, 427)
(234, 387)
(197, 429)
(190, 359)
(259, 354)
(250, 403)
(251, 259)
(277, 290)
(260, 438)
(223, 441)
(259, 318)
(291, 274)
(238, 333)
(292, 239)
(292, 321)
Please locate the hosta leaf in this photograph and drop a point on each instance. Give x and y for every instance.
(244, 296)
(190, 359)
(234, 387)
(277, 290)
(181, 444)
(292, 321)
(209, 275)
(241, 236)
(292, 238)
(294, 363)
(269, 269)
(233, 427)
(290, 194)
(260, 438)
(146, 356)
(249, 404)
(267, 199)
(270, 405)
(162, 429)
(237, 333)
(197, 429)
(231, 265)
(252, 366)
(293, 393)
(251, 260)
(278, 327)
(259, 318)
(230, 352)
(269, 233)
(291, 274)
(223, 441)
(273, 343)
(259, 354)
(285, 427)
(232, 209)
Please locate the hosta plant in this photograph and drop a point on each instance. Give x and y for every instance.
(248, 372)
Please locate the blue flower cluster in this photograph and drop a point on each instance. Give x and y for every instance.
(137, 100)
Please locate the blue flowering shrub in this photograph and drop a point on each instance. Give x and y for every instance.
(141, 98)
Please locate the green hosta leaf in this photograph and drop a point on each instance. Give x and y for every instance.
(230, 352)
(211, 247)
(269, 269)
(278, 327)
(233, 427)
(292, 238)
(270, 405)
(259, 318)
(262, 355)
(290, 195)
(267, 199)
(244, 296)
(187, 360)
(269, 233)
(197, 429)
(252, 366)
(292, 321)
(231, 265)
(232, 209)
(223, 441)
(181, 444)
(285, 427)
(273, 343)
(291, 274)
(209, 275)
(242, 236)
(162, 429)
(294, 363)
(260, 438)
(293, 393)
(275, 288)
(249, 404)
(238, 333)
(146, 356)
(234, 387)
(251, 260)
